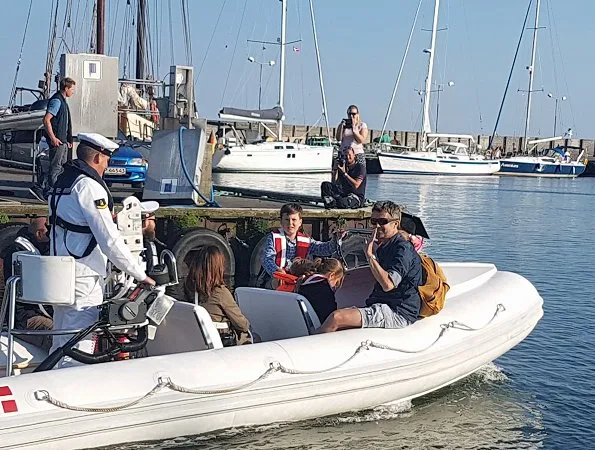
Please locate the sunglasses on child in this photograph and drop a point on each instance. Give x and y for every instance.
(381, 221)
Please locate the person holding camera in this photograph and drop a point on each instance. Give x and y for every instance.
(348, 188)
(352, 133)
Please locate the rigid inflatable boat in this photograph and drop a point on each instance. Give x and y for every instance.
(189, 384)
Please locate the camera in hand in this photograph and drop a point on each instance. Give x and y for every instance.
(347, 123)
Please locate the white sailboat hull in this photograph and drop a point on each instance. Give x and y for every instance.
(371, 378)
(423, 163)
(273, 157)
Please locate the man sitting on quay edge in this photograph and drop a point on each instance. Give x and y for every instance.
(396, 266)
(348, 188)
(285, 244)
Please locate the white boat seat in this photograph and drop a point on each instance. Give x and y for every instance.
(275, 315)
(186, 328)
(47, 280)
(26, 357)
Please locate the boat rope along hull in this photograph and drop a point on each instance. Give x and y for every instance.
(374, 377)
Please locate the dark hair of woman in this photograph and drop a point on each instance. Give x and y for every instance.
(206, 271)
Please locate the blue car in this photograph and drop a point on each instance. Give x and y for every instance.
(128, 166)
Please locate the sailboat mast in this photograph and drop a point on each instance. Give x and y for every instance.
(141, 28)
(282, 67)
(100, 27)
(324, 109)
(427, 127)
(531, 74)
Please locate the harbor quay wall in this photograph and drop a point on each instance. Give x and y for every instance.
(413, 138)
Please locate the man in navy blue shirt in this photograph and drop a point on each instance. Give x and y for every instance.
(58, 128)
(396, 266)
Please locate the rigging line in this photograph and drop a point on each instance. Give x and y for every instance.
(555, 29)
(113, 36)
(234, 51)
(516, 54)
(92, 36)
(50, 58)
(552, 47)
(186, 29)
(13, 91)
(398, 80)
(159, 34)
(171, 34)
(149, 54)
(189, 34)
(473, 64)
(210, 42)
(124, 28)
(72, 28)
(49, 37)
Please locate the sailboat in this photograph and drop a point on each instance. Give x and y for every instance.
(276, 156)
(546, 163)
(436, 157)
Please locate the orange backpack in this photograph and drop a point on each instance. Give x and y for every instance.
(434, 288)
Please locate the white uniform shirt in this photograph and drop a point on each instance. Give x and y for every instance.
(87, 206)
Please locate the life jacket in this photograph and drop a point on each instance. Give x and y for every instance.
(434, 288)
(73, 172)
(280, 242)
(287, 281)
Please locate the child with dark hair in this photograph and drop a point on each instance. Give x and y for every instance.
(317, 281)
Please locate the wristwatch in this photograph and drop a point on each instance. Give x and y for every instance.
(373, 257)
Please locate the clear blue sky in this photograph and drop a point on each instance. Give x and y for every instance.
(361, 47)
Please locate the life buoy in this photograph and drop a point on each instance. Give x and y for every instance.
(188, 242)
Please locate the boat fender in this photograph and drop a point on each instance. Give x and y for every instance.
(190, 240)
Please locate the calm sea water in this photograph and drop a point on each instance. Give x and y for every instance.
(541, 394)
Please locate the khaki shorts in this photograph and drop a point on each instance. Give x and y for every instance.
(380, 315)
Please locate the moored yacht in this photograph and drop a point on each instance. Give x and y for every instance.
(446, 158)
(555, 162)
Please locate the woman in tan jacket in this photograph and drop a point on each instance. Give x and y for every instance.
(205, 286)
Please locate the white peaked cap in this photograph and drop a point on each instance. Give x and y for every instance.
(98, 142)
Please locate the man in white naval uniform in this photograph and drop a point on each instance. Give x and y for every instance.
(82, 226)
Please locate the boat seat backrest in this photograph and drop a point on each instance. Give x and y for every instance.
(186, 328)
(275, 315)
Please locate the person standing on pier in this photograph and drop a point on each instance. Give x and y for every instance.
(288, 242)
(352, 133)
(58, 128)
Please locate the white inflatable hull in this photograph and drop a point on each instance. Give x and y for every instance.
(374, 376)
(428, 164)
(273, 157)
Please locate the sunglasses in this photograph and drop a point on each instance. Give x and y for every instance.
(382, 221)
(351, 113)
